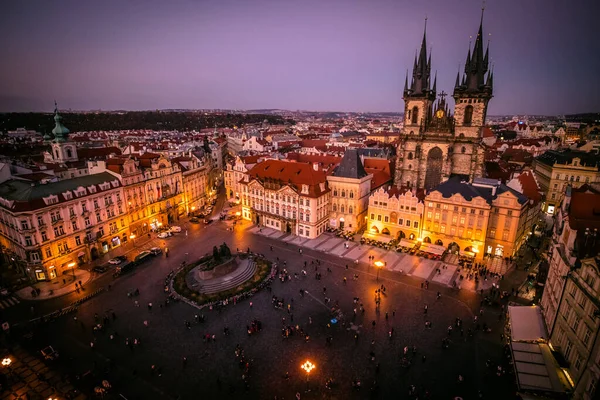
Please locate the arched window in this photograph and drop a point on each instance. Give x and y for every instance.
(343, 193)
(409, 166)
(56, 153)
(415, 115)
(342, 208)
(351, 194)
(335, 192)
(350, 209)
(334, 208)
(69, 153)
(410, 155)
(463, 150)
(468, 115)
(461, 135)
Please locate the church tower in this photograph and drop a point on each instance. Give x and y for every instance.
(419, 96)
(473, 92)
(62, 149)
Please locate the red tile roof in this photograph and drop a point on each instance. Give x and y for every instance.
(529, 186)
(584, 211)
(97, 152)
(292, 174)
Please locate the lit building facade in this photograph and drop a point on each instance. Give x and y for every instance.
(555, 170)
(54, 227)
(287, 196)
(571, 298)
(350, 187)
(396, 212)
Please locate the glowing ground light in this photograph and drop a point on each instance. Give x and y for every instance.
(6, 362)
(308, 366)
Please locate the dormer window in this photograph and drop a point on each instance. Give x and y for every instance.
(53, 199)
(304, 189)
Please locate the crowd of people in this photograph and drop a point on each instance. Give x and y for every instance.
(358, 320)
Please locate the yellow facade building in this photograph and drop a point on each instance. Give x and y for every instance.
(396, 212)
(555, 170)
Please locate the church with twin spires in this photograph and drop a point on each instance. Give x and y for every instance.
(436, 145)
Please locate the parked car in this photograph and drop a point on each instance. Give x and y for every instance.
(176, 229)
(156, 251)
(115, 261)
(164, 235)
(49, 353)
(142, 256)
(207, 221)
(194, 220)
(100, 269)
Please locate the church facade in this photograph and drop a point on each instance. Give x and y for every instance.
(436, 144)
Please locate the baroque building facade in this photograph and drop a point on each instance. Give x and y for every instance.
(286, 196)
(570, 301)
(434, 144)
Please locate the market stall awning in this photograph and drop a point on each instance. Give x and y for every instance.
(406, 243)
(467, 253)
(536, 368)
(377, 237)
(526, 324)
(432, 248)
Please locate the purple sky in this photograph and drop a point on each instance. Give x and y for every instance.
(295, 54)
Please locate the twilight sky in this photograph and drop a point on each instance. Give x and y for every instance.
(348, 55)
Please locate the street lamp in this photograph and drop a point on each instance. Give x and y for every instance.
(307, 366)
(132, 237)
(6, 362)
(72, 266)
(379, 265)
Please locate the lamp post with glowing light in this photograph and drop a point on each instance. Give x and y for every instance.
(307, 366)
(379, 265)
(132, 237)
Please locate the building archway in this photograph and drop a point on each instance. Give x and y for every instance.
(94, 253)
(439, 242)
(411, 236)
(453, 247)
(385, 231)
(342, 223)
(401, 235)
(427, 240)
(374, 229)
(433, 175)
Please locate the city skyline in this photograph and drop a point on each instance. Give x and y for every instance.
(308, 56)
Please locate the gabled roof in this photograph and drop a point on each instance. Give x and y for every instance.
(351, 166)
(526, 183)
